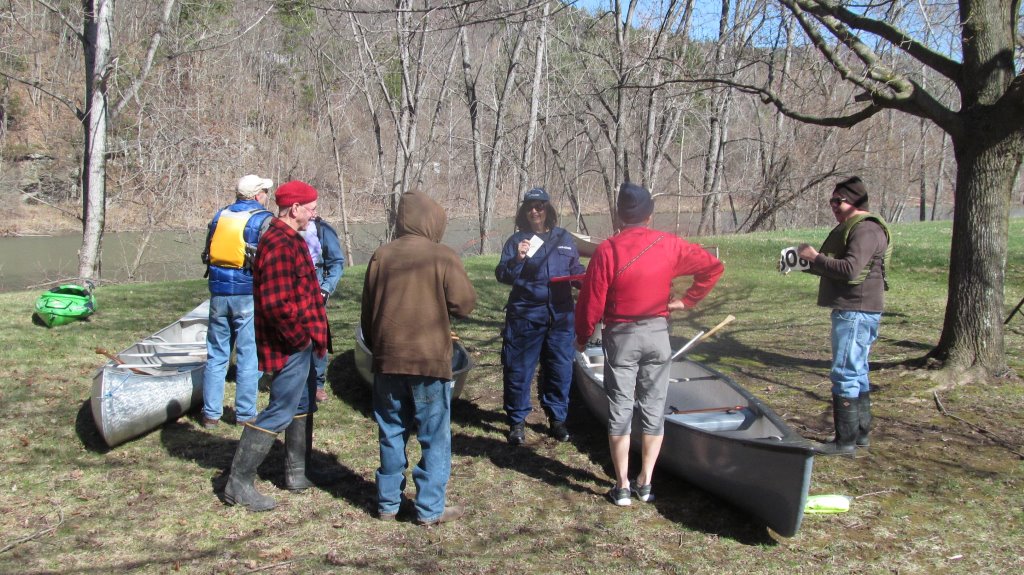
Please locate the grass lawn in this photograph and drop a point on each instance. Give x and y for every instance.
(939, 493)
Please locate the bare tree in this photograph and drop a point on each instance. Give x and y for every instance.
(986, 129)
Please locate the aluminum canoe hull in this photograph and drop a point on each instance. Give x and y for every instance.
(127, 404)
(747, 456)
(585, 245)
(462, 363)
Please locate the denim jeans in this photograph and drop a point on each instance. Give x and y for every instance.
(853, 332)
(231, 322)
(525, 344)
(403, 404)
(292, 392)
(320, 366)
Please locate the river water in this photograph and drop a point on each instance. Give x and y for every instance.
(40, 262)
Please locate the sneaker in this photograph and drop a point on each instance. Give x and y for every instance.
(321, 395)
(210, 423)
(643, 493)
(558, 431)
(620, 496)
(517, 434)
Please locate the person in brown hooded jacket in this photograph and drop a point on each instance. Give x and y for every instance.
(413, 284)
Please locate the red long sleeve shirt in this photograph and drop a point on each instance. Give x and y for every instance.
(642, 289)
(289, 308)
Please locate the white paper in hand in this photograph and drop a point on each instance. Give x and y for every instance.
(790, 261)
(535, 244)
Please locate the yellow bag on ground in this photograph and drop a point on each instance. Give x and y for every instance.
(827, 504)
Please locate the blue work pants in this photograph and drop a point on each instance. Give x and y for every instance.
(527, 342)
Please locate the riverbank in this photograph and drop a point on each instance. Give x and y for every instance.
(70, 504)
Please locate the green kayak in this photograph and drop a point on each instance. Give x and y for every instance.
(65, 304)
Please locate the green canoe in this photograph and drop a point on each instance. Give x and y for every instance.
(65, 304)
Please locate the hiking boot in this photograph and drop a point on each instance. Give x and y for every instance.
(643, 493)
(517, 434)
(559, 431)
(620, 496)
(210, 423)
(450, 514)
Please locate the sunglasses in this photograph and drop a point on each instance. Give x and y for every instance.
(536, 206)
(838, 201)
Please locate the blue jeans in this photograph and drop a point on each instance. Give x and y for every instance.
(853, 332)
(292, 392)
(527, 343)
(403, 404)
(231, 323)
(320, 366)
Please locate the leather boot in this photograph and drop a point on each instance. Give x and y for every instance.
(844, 414)
(297, 447)
(252, 450)
(864, 419)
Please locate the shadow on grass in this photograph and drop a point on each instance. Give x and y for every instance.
(87, 431)
(185, 441)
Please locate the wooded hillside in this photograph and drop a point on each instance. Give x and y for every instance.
(474, 101)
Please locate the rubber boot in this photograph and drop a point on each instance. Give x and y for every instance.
(297, 445)
(844, 414)
(864, 419)
(252, 450)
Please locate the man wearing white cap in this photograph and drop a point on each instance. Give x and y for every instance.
(231, 243)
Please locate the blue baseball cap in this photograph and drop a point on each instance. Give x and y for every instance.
(536, 195)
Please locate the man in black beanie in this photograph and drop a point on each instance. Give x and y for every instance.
(629, 287)
(852, 264)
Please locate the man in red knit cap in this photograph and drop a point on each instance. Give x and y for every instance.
(628, 286)
(291, 326)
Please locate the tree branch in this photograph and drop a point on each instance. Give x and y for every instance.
(898, 38)
(62, 99)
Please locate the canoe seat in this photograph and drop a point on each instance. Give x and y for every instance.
(714, 420)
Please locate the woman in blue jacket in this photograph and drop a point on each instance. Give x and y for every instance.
(538, 316)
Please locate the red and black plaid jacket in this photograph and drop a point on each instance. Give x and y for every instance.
(289, 308)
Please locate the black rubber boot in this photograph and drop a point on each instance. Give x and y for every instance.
(844, 414)
(298, 439)
(252, 450)
(864, 419)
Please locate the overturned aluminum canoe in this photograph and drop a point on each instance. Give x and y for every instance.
(721, 438)
(461, 363)
(585, 245)
(154, 381)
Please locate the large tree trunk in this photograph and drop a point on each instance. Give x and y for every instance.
(96, 49)
(972, 332)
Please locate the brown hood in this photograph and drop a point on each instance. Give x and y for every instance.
(419, 215)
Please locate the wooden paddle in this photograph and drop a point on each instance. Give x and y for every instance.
(113, 357)
(703, 335)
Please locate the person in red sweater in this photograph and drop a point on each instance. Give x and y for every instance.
(291, 326)
(628, 287)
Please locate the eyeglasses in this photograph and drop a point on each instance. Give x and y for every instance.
(536, 207)
(838, 201)
(311, 210)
